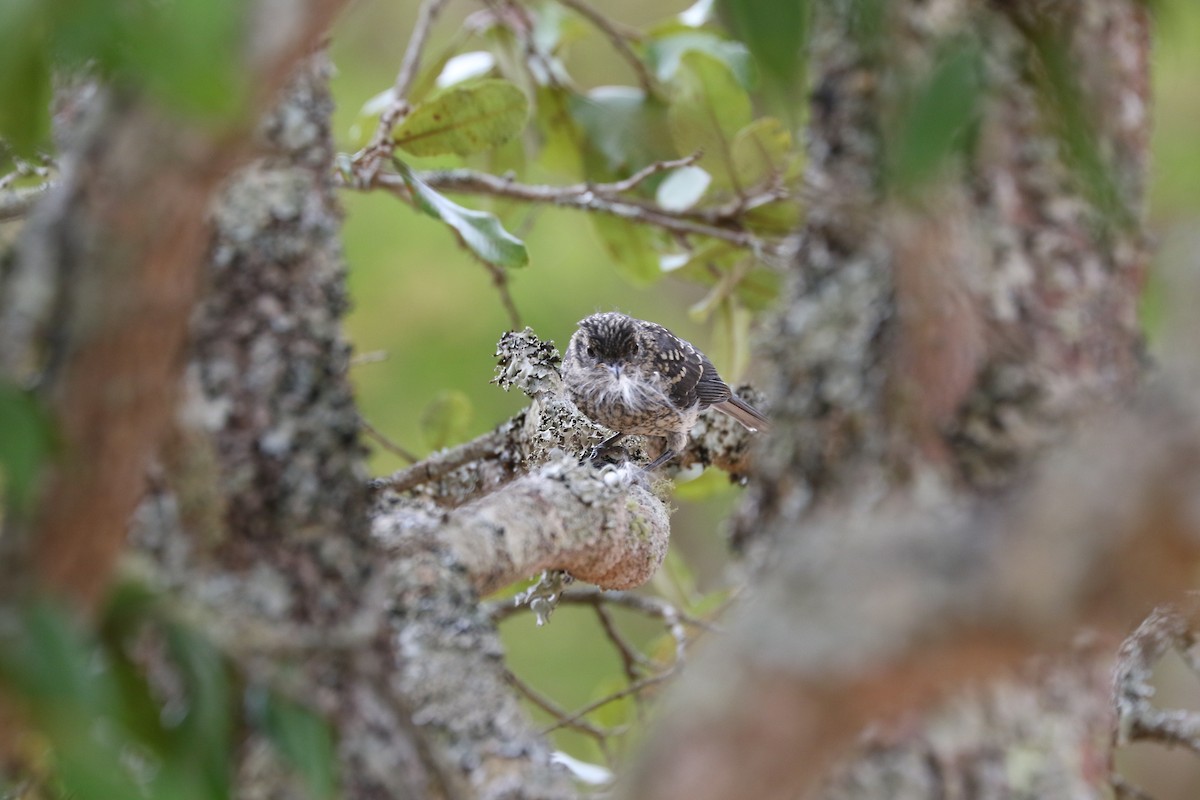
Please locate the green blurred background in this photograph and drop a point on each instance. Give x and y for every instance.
(432, 309)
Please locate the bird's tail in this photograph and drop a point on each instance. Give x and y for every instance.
(743, 412)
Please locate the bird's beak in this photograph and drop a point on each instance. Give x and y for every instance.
(616, 370)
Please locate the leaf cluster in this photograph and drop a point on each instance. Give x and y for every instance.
(185, 53)
(715, 154)
(145, 707)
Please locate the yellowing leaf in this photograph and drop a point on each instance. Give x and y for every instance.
(463, 119)
(760, 150)
(446, 419)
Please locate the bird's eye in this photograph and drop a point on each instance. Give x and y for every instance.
(633, 348)
(591, 351)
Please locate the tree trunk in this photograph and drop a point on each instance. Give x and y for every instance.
(935, 344)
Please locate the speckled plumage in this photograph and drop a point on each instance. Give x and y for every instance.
(637, 377)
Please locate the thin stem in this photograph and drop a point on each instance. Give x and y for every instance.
(634, 688)
(583, 198)
(441, 464)
(500, 281)
(412, 55)
(386, 443)
(556, 711)
(619, 37)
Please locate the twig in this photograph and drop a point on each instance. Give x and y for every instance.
(372, 357)
(586, 198)
(440, 464)
(369, 158)
(620, 41)
(556, 711)
(632, 182)
(1168, 628)
(631, 657)
(416, 45)
(504, 10)
(386, 443)
(634, 688)
(500, 281)
(650, 606)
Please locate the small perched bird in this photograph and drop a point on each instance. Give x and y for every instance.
(637, 377)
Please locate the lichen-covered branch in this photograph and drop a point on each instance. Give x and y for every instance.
(1169, 628)
(551, 424)
(603, 526)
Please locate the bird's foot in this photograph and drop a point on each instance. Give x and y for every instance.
(606, 453)
(663, 458)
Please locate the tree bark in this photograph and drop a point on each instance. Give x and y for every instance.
(934, 346)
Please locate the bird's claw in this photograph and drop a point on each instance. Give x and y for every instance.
(607, 454)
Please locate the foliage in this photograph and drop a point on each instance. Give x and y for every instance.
(27, 441)
(183, 52)
(678, 166)
(146, 707)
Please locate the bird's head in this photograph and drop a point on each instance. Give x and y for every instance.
(609, 340)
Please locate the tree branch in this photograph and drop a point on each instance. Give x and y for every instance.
(601, 526)
(581, 197)
(1168, 628)
(619, 37)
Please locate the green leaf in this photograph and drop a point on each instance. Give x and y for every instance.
(46, 659)
(24, 75)
(446, 419)
(189, 53)
(665, 53)
(27, 441)
(705, 263)
(627, 128)
(682, 188)
(303, 739)
(479, 231)
(562, 140)
(934, 123)
(761, 150)
(708, 108)
(631, 246)
(777, 218)
(464, 119)
(776, 32)
(759, 288)
(729, 271)
(731, 342)
(204, 735)
(1066, 103)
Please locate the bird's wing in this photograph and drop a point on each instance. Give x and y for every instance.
(691, 378)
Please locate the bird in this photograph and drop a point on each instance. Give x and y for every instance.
(636, 377)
